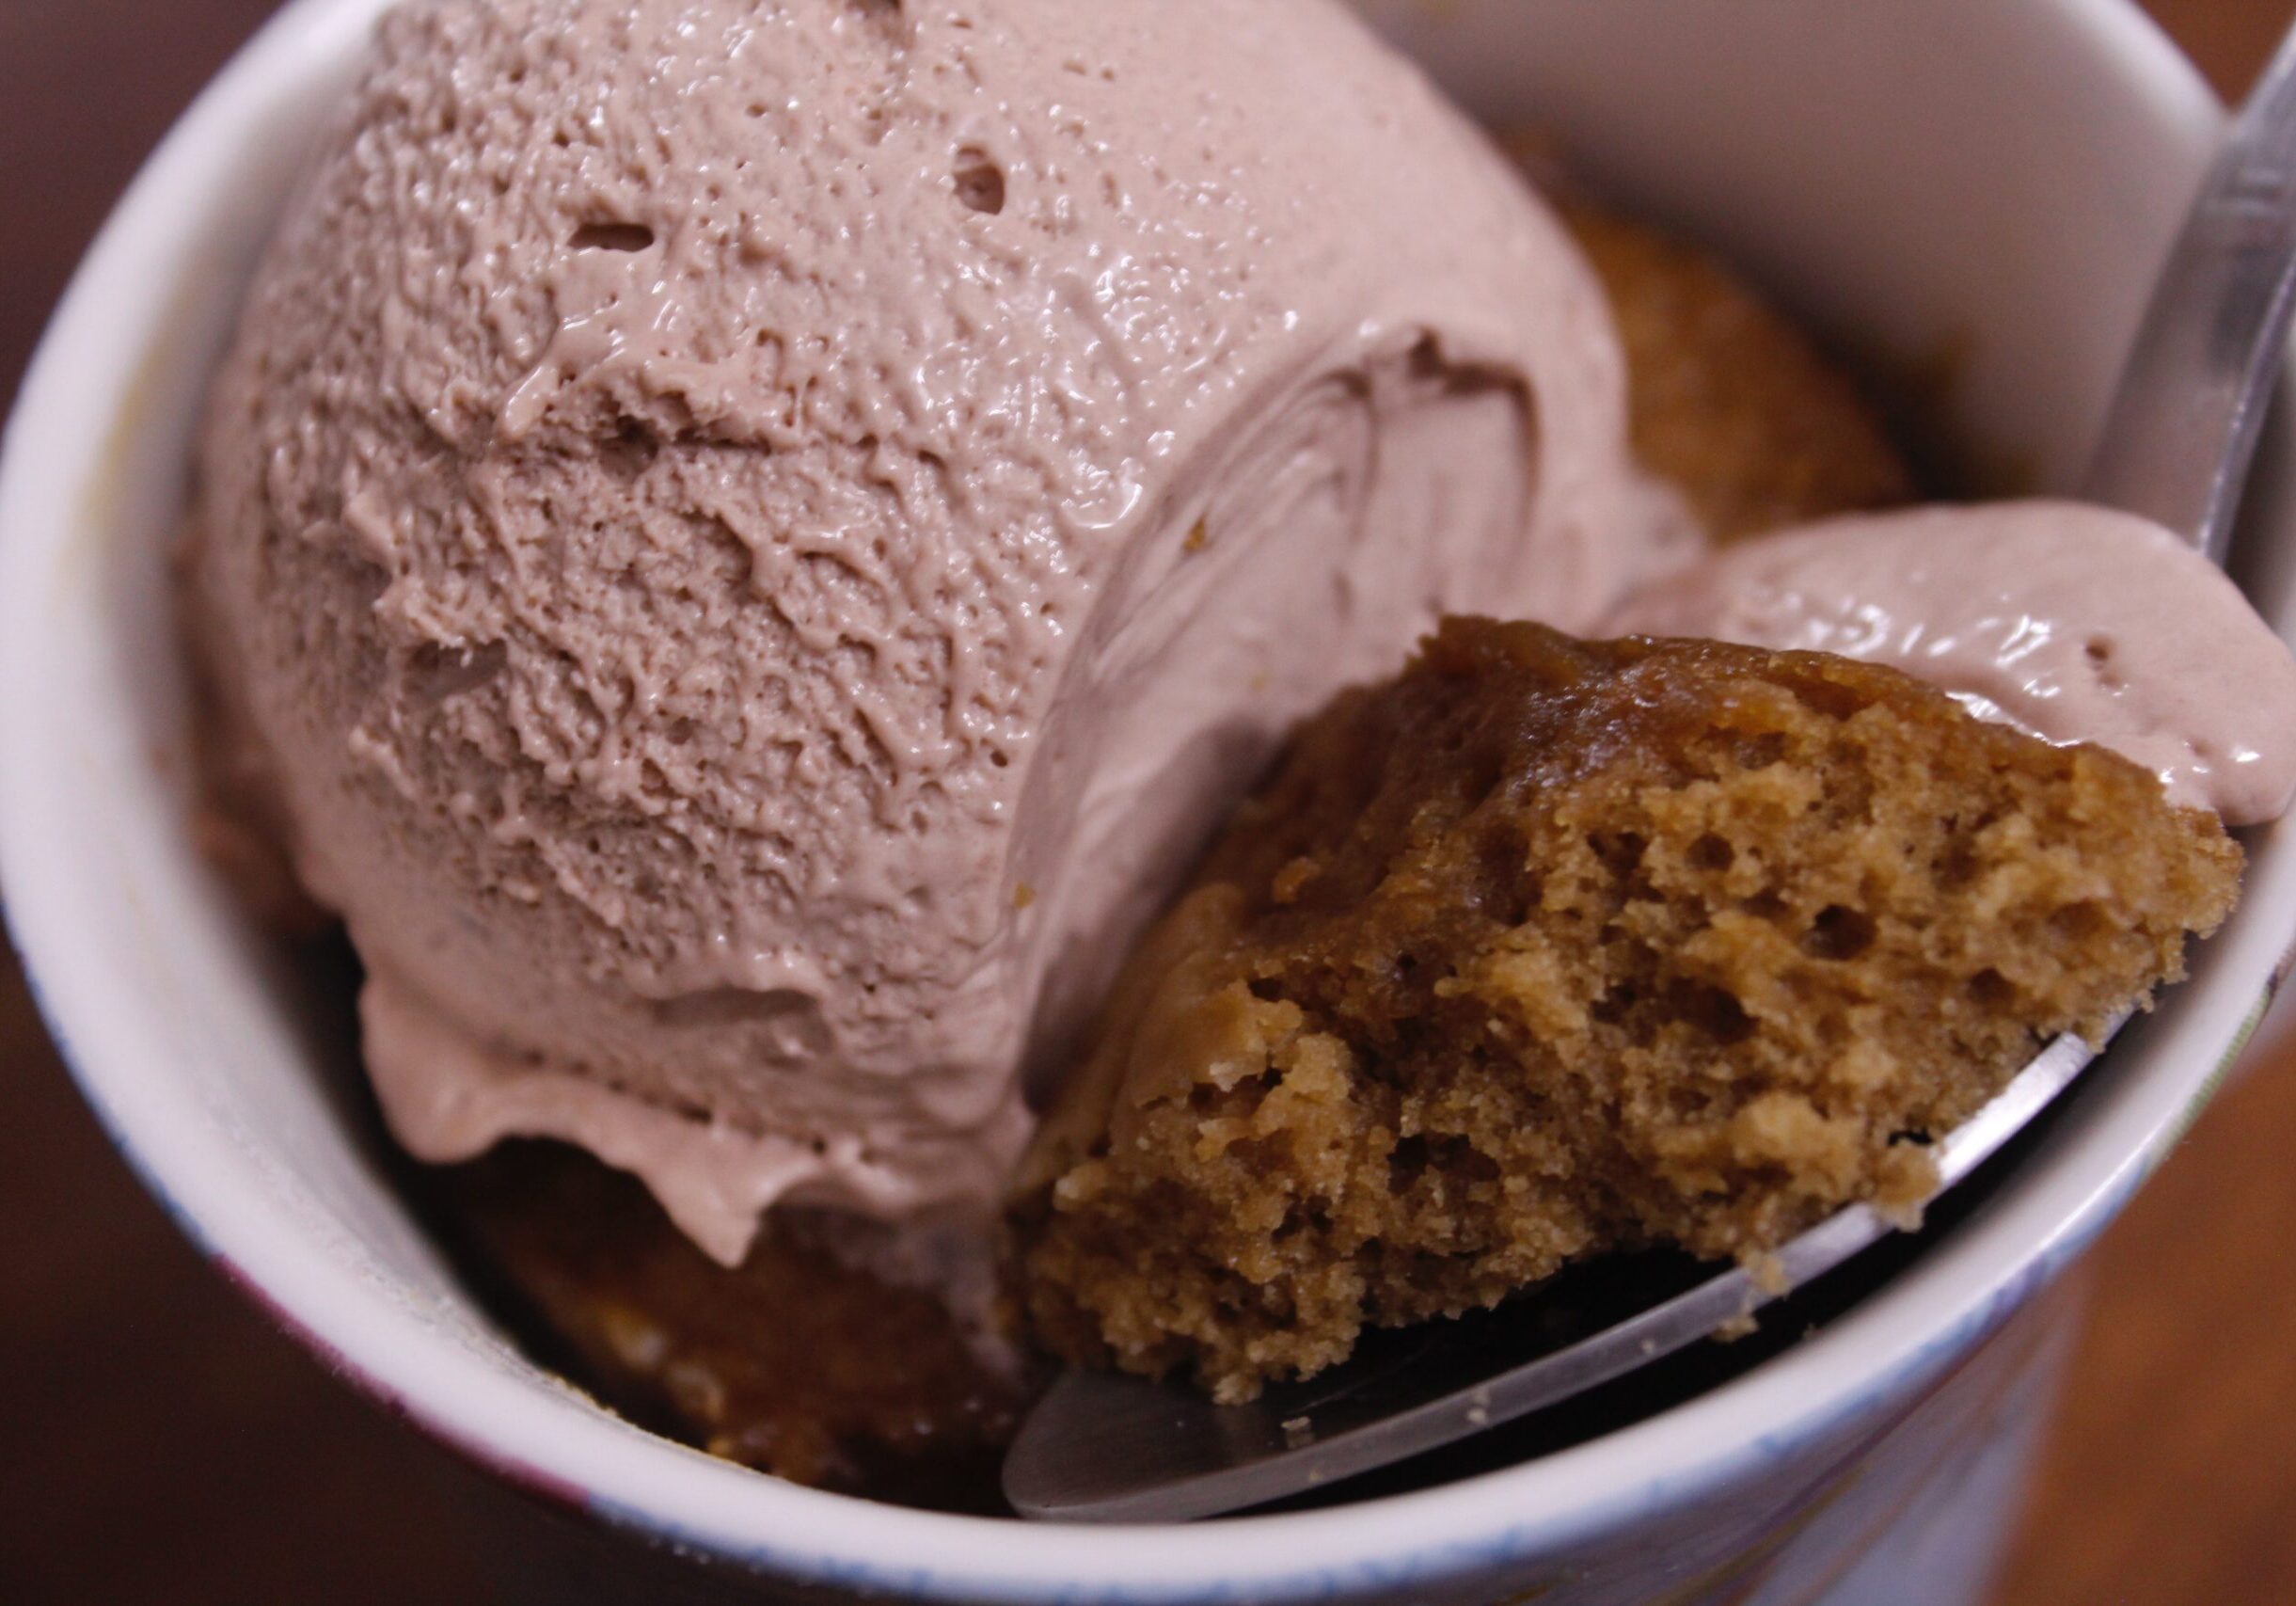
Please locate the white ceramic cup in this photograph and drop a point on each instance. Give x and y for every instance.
(1992, 180)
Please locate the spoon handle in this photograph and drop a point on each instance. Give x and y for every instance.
(2184, 418)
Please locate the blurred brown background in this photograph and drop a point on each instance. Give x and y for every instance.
(159, 1443)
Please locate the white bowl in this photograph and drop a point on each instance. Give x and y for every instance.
(1988, 178)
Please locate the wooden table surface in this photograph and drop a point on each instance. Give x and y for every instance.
(159, 1442)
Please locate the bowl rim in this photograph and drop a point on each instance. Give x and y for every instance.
(573, 1452)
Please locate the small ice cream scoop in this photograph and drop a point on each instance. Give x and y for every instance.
(2071, 621)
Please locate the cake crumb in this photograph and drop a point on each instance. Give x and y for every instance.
(1768, 1273)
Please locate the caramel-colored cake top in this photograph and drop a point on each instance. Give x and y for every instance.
(1729, 401)
(1550, 946)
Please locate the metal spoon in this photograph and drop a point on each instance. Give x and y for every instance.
(1101, 1447)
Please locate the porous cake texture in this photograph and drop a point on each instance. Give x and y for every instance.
(1551, 946)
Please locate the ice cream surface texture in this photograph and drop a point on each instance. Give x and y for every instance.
(750, 542)
(2075, 623)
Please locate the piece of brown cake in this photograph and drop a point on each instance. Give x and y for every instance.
(1730, 402)
(1549, 946)
(793, 1362)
